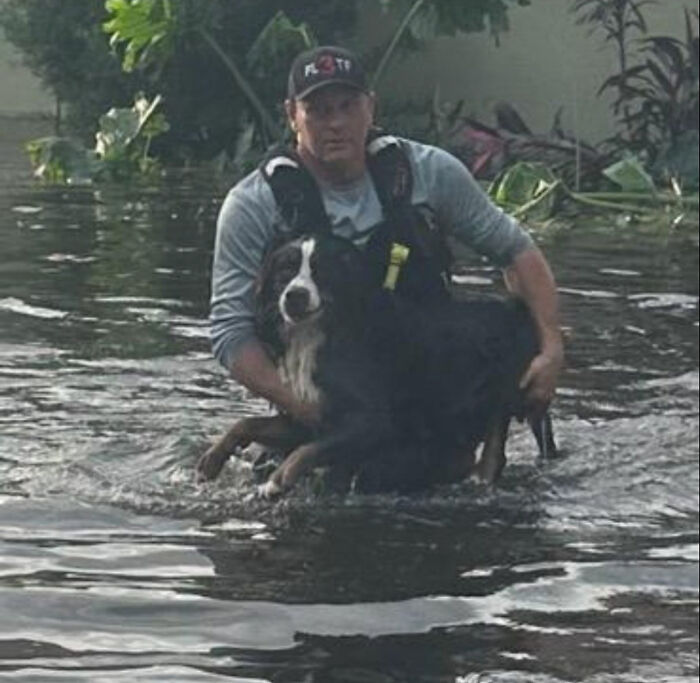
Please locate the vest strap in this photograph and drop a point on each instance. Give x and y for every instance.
(296, 193)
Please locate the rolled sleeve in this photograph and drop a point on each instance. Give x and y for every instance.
(244, 227)
(468, 213)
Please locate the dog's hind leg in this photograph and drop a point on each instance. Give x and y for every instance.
(356, 437)
(275, 431)
(493, 454)
(544, 434)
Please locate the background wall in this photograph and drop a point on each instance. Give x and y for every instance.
(543, 62)
(20, 90)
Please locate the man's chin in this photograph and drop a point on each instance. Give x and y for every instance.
(337, 157)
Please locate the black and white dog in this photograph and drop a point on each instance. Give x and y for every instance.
(407, 393)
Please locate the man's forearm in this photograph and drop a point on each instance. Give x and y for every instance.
(253, 369)
(530, 278)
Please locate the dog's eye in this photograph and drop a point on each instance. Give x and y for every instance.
(282, 277)
(287, 266)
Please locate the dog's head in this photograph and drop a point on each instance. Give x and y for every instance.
(307, 280)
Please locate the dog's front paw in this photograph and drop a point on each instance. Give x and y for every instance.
(269, 490)
(210, 464)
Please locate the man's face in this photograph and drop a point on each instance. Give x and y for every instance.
(331, 124)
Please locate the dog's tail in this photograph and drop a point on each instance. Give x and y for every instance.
(544, 434)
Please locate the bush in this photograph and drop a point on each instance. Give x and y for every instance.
(65, 44)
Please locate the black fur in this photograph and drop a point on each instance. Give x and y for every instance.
(408, 391)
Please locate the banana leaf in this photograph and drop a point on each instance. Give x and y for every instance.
(62, 160)
(630, 176)
(526, 189)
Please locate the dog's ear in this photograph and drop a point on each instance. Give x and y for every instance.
(267, 316)
(266, 264)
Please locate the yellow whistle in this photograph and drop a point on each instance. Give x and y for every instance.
(397, 257)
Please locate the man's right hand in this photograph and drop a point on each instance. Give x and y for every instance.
(254, 370)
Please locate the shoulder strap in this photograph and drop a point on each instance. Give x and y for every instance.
(296, 192)
(390, 167)
(299, 198)
(391, 173)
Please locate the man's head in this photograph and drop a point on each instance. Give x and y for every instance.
(330, 110)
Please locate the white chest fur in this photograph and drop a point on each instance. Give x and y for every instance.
(299, 363)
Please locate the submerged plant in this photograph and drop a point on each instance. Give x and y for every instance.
(121, 151)
(533, 191)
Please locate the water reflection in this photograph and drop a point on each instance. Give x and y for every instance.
(114, 564)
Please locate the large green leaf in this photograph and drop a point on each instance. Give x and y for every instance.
(630, 175)
(526, 188)
(121, 147)
(145, 27)
(279, 41)
(119, 127)
(62, 160)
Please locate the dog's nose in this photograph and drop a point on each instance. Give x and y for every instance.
(296, 302)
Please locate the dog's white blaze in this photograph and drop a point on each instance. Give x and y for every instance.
(303, 280)
(299, 363)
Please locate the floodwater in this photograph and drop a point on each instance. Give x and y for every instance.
(116, 566)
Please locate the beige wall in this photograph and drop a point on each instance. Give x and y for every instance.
(20, 90)
(543, 62)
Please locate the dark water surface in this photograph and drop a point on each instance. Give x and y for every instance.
(115, 566)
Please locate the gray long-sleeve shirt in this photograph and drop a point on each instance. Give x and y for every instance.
(249, 219)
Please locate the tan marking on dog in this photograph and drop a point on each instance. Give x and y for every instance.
(299, 363)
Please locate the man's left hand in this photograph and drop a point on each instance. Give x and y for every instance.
(540, 380)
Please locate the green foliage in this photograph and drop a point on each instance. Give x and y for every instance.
(143, 25)
(62, 160)
(526, 189)
(450, 17)
(147, 27)
(425, 20)
(453, 16)
(221, 66)
(64, 42)
(277, 44)
(629, 175)
(534, 191)
(665, 88)
(620, 22)
(655, 85)
(121, 149)
(246, 47)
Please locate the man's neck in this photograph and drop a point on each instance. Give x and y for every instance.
(336, 175)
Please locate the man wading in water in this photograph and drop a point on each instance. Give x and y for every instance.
(344, 182)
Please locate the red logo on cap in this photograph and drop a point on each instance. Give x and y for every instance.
(326, 65)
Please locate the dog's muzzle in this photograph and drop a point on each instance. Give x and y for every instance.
(297, 304)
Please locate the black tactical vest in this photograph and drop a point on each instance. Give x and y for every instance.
(424, 276)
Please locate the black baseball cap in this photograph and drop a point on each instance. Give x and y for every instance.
(323, 66)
